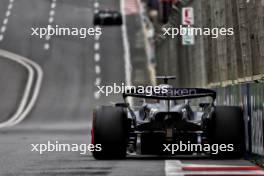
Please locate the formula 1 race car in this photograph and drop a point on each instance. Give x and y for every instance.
(166, 122)
(107, 18)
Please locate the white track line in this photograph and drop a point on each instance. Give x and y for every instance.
(97, 95)
(5, 21)
(35, 94)
(96, 37)
(26, 104)
(97, 81)
(173, 167)
(97, 57)
(127, 59)
(96, 5)
(3, 29)
(96, 46)
(26, 93)
(50, 21)
(97, 67)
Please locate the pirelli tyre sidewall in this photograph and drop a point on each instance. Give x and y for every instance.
(111, 131)
(227, 127)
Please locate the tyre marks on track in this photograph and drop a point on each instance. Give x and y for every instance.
(5, 21)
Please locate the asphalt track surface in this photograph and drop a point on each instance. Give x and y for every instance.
(63, 110)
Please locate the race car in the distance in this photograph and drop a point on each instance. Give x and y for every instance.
(164, 121)
(107, 18)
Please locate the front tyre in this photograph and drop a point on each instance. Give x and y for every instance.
(110, 130)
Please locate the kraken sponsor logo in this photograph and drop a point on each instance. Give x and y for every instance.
(180, 92)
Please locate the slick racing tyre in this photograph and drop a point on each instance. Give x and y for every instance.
(97, 20)
(119, 20)
(110, 131)
(227, 127)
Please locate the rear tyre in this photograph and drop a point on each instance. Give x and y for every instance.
(119, 20)
(110, 131)
(96, 20)
(226, 128)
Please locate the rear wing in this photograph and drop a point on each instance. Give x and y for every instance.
(171, 93)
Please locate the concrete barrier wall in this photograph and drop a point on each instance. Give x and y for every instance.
(215, 60)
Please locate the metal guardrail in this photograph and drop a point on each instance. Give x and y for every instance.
(250, 96)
